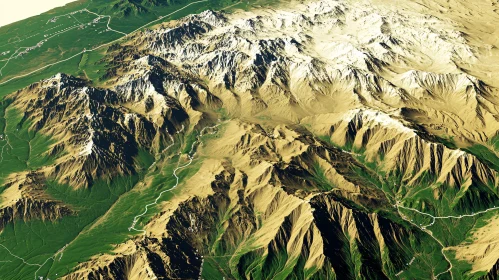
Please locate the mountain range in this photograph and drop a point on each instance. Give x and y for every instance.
(307, 139)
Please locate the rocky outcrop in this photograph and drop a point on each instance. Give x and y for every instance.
(411, 159)
(493, 274)
(98, 134)
(250, 218)
(289, 63)
(33, 209)
(24, 199)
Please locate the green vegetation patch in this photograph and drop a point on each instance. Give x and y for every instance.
(495, 142)
(37, 241)
(321, 179)
(113, 227)
(61, 35)
(20, 147)
(485, 155)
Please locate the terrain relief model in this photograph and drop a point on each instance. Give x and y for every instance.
(252, 139)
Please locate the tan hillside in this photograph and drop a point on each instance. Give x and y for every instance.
(300, 140)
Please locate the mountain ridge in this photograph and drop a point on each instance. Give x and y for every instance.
(348, 140)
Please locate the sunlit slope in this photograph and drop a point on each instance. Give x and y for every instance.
(304, 140)
(33, 44)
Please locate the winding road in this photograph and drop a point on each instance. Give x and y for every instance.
(190, 155)
(429, 232)
(59, 252)
(99, 47)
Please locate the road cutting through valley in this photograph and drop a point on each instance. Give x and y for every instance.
(98, 47)
(190, 155)
(429, 232)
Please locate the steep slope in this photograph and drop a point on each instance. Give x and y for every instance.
(24, 199)
(99, 135)
(268, 64)
(426, 174)
(272, 218)
(301, 60)
(308, 140)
